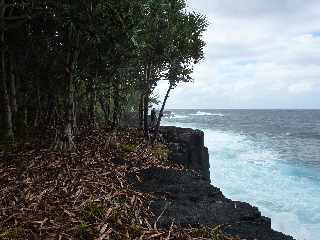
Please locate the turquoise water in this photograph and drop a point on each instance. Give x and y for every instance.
(263, 169)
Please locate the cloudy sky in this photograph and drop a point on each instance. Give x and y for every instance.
(259, 54)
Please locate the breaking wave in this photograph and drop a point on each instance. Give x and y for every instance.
(200, 113)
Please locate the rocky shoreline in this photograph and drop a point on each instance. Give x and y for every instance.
(187, 197)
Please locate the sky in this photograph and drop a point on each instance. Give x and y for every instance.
(259, 54)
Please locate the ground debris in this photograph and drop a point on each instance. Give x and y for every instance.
(84, 194)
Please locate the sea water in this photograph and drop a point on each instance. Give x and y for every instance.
(269, 158)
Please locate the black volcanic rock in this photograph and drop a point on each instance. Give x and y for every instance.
(187, 148)
(188, 198)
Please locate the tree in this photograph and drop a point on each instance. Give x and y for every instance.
(185, 49)
(71, 65)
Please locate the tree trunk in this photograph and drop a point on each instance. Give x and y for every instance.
(8, 110)
(25, 117)
(70, 108)
(93, 101)
(116, 103)
(146, 102)
(71, 121)
(104, 108)
(74, 115)
(36, 122)
(64, 139)
(161, 112)
(13, 92)
(51, 102)
(145, 115)
(141, 111)
(109, 105)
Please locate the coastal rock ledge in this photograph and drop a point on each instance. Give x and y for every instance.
(189, 199)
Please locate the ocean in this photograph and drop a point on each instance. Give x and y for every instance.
(268, 158)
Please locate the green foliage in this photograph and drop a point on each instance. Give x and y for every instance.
(91, 58)
(83, 231)
(92, 211)
(11, 234)
(128, 148)
(160, 152)
(213, 234)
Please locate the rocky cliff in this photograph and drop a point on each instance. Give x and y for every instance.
(187, 198)
(187, 148)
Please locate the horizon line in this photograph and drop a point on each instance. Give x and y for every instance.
(294, 109)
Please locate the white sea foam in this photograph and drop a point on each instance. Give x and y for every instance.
(255, 174)
(199, 113)
(246, 171)
(177, 116)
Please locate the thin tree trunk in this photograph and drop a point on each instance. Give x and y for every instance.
(146, 102)
(38, 110)
(13, 88)
(71, 125)
(74, 116)
(109, 105)
(145, 115)
(116, 102)
(25, 117)
(8, 110)
(141, 111)
(93, 101)
(70, 106)
(104, 108)
(50, 107)
(161, 112)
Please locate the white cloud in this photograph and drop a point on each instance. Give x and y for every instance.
(300, 88)
(259, 54)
